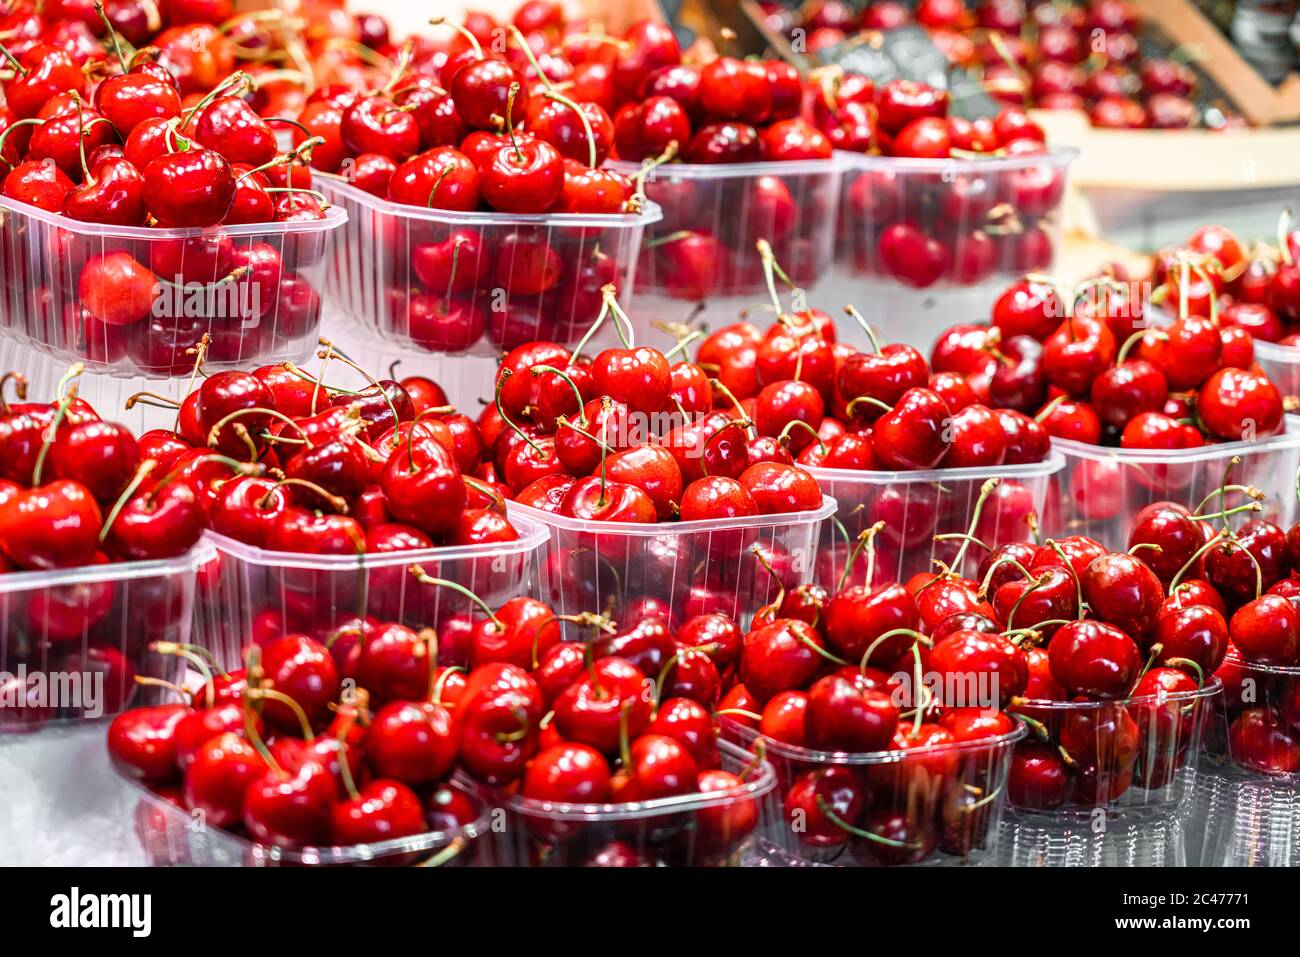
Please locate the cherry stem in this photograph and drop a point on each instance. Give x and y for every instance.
(510, 120)
(13, 61)
(869, 400)
(866, 540)
(501, 381)
(1248, 490)
(648, 165)
(1132, 340)
(1069, 567)
(856, 831)
(784, 437)
(591, 331)
(683, 342)
(1048, 409)
(20, 389)
(60, 414)
(498, 500)
(214, 433)
(272, 694)
(228, 85)
(430, 639)
(345, 770)
(672, 663)
(1223, 486)
(141, 473)
(1188, 663)
(253, 669)
(441, 683)
(473, 40)
(424, 578)
(184, 693)
(539, 370)
(881, 639)
(399, 69)
(383, 394)
(117, 45)
(861, 320)
(762, 560)
(609, 294)
(200, 663)
(985, 491)
(162, 402)
(335, 502)
(768, 259)
(740, 711)
(200, 352)
(988, 576)
(1037, 584)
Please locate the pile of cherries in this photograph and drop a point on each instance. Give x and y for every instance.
(1101, 654)
(76, 491)
(1253, 287)
(921, 227)
(828, 405)
(1095, 371)
(632, 434)
(166, 137)
(1071, 56)
(281, 461)
(270, 752)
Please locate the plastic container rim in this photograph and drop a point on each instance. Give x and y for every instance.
(21, 581)
(531, 537)
(1206, 691)
(1056, 156)
(649, 215)
(762, 783)
(1285, 671)
(838, 162)
(335, 216)
(794, 752)
(1288, 439)
(1054, 463)
(656, 529)
(347, 853)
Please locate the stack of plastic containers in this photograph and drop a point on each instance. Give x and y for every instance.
(700, 260)
(937, 805)
(917, 506)
(1101, 490)
(1248, 793)
(451, 291)
(132, 303)
(692, 567)
(1105, 783)
(704, 829)
(246, 593)
(82, 636)
(923, 244)
(171, 836)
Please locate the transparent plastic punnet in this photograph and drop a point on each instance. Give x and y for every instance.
(170, 838)
(247, 593)
(1123, 794)
(693, 567)
(129, 301)
(917, 506)
(1248, 791)
(925, 243)
(475, 283)
(933, 805)
(73, 641)
(704, 829)
(1101, 489)
(703, 249)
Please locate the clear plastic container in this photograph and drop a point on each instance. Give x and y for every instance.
(700, 261)
(453, 284)
(73, 641)
(173, 837)
(1248, 792)
(1101, 489)
(1123, 796)
(693, 567)
(129, 301)
(923, 244)
(710, 829)
(246, 593)
(916, 506)
(934, 806)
